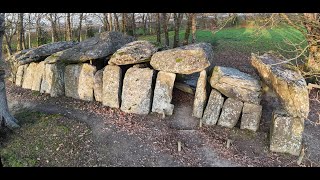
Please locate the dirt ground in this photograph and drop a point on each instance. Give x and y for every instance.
(114, 138)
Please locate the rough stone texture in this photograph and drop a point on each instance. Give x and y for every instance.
(53, 80)
(19, 76)
(28, 76)
(40, 53)
(98, 84)
(163, 93)
(137, 90)
(212, 111)
(133, 53)
(200, 97)
(183, 60)
(230, 113)
(184, 87)
(112, 83)
(236, 84)
(251, 115)
(79, 81)
(38, 75)
(98, 47)
(287, 83)
(286, 133)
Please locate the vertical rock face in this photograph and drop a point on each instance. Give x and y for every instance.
(236, 84)
(163, 93)
(200, 97)
(213, 109)
(112, 83)
(53, 80)
(98, 84)
(286, 133)
(79, 81)
(288, 84)
(28, 76)
(251, 115)
(38, 75)
(230, 113)
(19, 76)
(137, 90)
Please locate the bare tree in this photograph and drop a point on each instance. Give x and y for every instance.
(124, 23)
(105, 22)
(177, 22)
(20, 35)
(133, 24)
(39, 29)
(158, 29)
(5, 115)
(188, 28)
(11, 29)
(117, 27)
(165, 28)
(52, 17)
(194, 26)
(68, 27)
(110, 22)
(80, 27)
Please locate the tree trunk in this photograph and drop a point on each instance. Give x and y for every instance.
(29, 31)
(8, 45)
(117, 22)
(158, 28)
(124, 23)
(133, 25)
(53, 21)
(9, 120)
(80, 27)
(105, 22)
(69, 28)
(165, 28)
(111, 26)
(38, 32)
(194, 27)
(187, 33)
(20, 32)
(177, 21)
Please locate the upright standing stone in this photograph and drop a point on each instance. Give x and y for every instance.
(29, 75)
(20, 71)
(79, 81)
(53, 80)
(286, 133)
(163, 93)
(251, 115)
(230, 113)
(98, 84)
(137, 90)
(38, 75)
(112, 83)
(212, 111)
(200, 97)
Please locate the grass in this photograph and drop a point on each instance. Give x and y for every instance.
(245, 39)
(42, 140)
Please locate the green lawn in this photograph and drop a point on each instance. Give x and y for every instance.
(245, 39)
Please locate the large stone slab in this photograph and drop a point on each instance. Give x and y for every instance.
(38, 75)
(20, 72)
(251, 115)
(79, 81)
(43, 51)
(183, 60)
(213, 109)
(137, 90)
(53, 80)
(98, 85)
(200, 97)
(98, 47)
(28, 76)
(133, 53)
(112, 83)
(236, 84)
(286, 133)
(287, 83)
(230, 113)
(163, 93)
